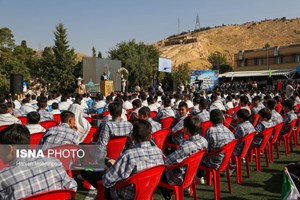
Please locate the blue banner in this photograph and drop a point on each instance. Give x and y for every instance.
(205, 79)
(298, 70)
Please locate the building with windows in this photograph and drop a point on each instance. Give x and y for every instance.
(275, 58)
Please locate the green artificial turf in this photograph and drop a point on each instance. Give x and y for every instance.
(261, 185)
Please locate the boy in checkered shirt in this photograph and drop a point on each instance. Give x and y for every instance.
(193, 144)
(243, 128)
(142, 155)
(25, 176)
(265, 122)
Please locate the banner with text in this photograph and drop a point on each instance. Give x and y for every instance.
(204, 79)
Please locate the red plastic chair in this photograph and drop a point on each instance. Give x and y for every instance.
(204, 126)
(160, 138)
(115, 146)
(145, 183)
(261, 148)
(274, 141)
(192, 162)
(127, 116)
(172, 145)
(128, 111)
(3, 127)
(89, 119)
(227, 122)
(61, 194)
(65, 160)
(287, 137)
(255, 119)
(153, 114)
(227, 150)
(166, 122)
(35, 139)
(278, 108)
(105, 113)
(246, 140)
(48, 124)
(56, 118)
(89, 136)
(23, 119)
(2, 165)
(296, 133)
(236, 109)
(230, 111)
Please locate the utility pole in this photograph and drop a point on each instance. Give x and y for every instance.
(197, 26)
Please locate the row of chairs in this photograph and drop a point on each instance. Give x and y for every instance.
(140, 179)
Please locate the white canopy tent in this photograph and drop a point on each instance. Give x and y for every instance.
(288, 73)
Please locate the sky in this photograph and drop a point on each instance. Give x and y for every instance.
(103, 24)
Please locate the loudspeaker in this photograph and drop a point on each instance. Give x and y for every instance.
(16, 84)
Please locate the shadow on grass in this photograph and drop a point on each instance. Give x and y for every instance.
(283, 162)
(274, 184)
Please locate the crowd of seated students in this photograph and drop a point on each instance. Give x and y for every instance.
(188, 111)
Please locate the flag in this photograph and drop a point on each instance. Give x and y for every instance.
(289, 190)
(270, 72)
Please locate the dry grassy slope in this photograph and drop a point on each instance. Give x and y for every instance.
(230, 39)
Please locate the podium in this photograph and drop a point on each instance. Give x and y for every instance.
(106, 87)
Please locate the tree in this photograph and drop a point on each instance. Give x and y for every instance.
(219, 62)
(45, 67)
(62, 77)
(181, 73)
(217, 59)
(14, 59)
(138, 59)
(99, 54)
(225, 68)
(266, 46)
(6, 38)
(94, 51)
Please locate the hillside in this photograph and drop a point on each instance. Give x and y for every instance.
(230, 39)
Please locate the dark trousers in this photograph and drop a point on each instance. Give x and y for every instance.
(93, 178)
(165, 191)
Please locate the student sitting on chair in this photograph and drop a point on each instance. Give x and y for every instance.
(289, 115)
(65, 133)
(243, 128)
(142, 155)
(177, 126)
(166, 111)
(33, 125)
(55, 109)
(44, 114)
(5, 117)
(22, 180)
(217, 136)
(194, 143)
(264, 123)
(144, 113)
